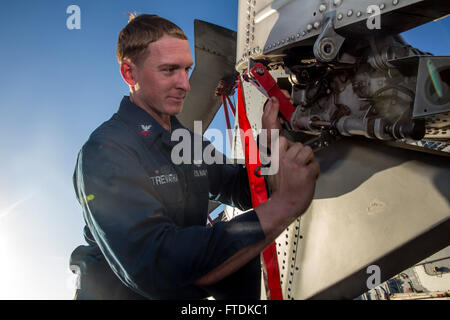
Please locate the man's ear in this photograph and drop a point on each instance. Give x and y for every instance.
(126, 70)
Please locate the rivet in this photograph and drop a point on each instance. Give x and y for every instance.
(395, 2)
(359, 14)
(309, 27)
(340, 16)
(337, 2)
(382, 6)
(317, 25)
(349, 13)
(322, 8)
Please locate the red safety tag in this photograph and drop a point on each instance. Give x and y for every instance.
(261, 78)
(259, 196)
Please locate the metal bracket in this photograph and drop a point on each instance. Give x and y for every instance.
(329, 43)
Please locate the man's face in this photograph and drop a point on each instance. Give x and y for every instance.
(163, 77)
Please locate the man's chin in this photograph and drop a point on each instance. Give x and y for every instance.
(175, 109)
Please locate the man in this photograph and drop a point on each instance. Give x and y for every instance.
(145, 217)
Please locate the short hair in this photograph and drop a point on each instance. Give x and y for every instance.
(142, 30)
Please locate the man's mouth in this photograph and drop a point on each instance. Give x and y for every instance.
(177, 99)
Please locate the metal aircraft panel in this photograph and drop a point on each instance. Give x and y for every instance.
(267, 27)
(215, 52)
(374, 204)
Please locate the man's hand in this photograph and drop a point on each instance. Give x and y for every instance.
(296, 178)
(292, 187)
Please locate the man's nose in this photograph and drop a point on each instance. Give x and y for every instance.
(183, 81)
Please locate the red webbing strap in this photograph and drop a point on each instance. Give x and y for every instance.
(259, 196)
(231, 106)
(227, 119)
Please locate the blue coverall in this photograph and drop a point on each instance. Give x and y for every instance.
(146, 217)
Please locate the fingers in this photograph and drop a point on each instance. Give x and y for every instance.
(300, 154)
(314, 168)
(305, 156)
(272, 109)
(283, 145)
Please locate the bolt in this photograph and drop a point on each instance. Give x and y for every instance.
(337, 2)
(260, 71)
(317, 25)
(395, 2)
(349, 13)
(322, 8)
(340, 16)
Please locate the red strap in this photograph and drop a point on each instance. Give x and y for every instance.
(259, 196)
(269, 87)
(227, 118)
(231, 106)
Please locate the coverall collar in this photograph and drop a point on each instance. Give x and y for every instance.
(144, 124)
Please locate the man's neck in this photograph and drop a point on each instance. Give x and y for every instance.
(162, 119)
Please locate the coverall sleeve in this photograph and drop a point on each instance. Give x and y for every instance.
(142, 245)
(228, 184)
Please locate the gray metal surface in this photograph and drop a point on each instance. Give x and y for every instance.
(373, 205)
(266, 28)
(438, 264)
(215, 52)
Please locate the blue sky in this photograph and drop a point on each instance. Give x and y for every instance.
(57, 85)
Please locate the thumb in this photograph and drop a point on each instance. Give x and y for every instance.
(275, 106)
